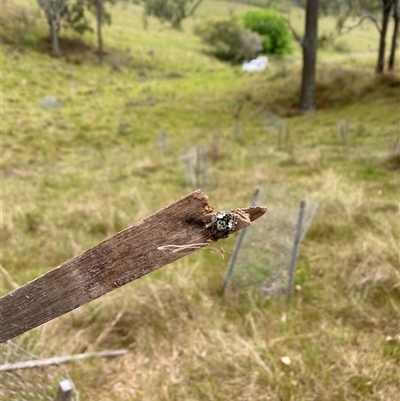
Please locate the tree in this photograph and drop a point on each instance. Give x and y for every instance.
(172, 11)
(386, 8)
(366, 9)
(396, 12)
(54, 10)
(99, 16)
(342, 10)
(309, 48)
(102, 16)
(74, 14)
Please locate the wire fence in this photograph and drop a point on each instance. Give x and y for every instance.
(277, 127)
(45, 383)
(265, 256)
(195, 163)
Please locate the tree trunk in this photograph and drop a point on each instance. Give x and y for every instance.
(396, 11)
(55, 46)
(309, 46)
(99, 34)
(387, 6)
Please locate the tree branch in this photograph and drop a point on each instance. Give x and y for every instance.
(297, 37)
(360, 21)
(194, 8)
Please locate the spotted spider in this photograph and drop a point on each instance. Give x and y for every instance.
(222, 224)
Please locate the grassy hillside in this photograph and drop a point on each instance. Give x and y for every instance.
(76, 174)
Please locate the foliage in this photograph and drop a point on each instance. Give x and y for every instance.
(76, 16)
(75, 13)
(272, 26)
(229, 40)
(172, 11)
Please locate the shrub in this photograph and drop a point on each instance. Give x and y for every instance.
(272, 27)
(229, 40)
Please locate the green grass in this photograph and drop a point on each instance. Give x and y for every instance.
(70, 179)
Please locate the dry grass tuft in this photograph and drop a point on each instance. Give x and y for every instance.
(367, 259)
(334, 87)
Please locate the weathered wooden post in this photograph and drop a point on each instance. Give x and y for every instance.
(161, 238)
(296, 248)
(64, 391)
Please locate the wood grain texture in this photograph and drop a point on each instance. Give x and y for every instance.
(128, 255)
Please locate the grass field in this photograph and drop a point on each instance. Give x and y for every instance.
(74, 175)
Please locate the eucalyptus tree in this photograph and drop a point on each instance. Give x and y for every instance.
(74, 14)
(100, 10)
(309, 44)
(54, 11)
(396, 17)
(376, 11)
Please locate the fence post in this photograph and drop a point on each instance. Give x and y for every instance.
(296, 248)
(238, 245)
(189, 170)
(64, 391)
(237, 129)
(162, 141)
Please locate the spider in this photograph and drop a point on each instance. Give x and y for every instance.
(222, 224)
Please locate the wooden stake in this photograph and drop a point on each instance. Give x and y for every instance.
(64, 391)
(126, 256)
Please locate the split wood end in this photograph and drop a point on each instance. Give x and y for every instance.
(247, 215)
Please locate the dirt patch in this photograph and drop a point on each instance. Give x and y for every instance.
(72, 49)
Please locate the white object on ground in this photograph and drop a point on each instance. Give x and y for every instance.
(258, 64)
